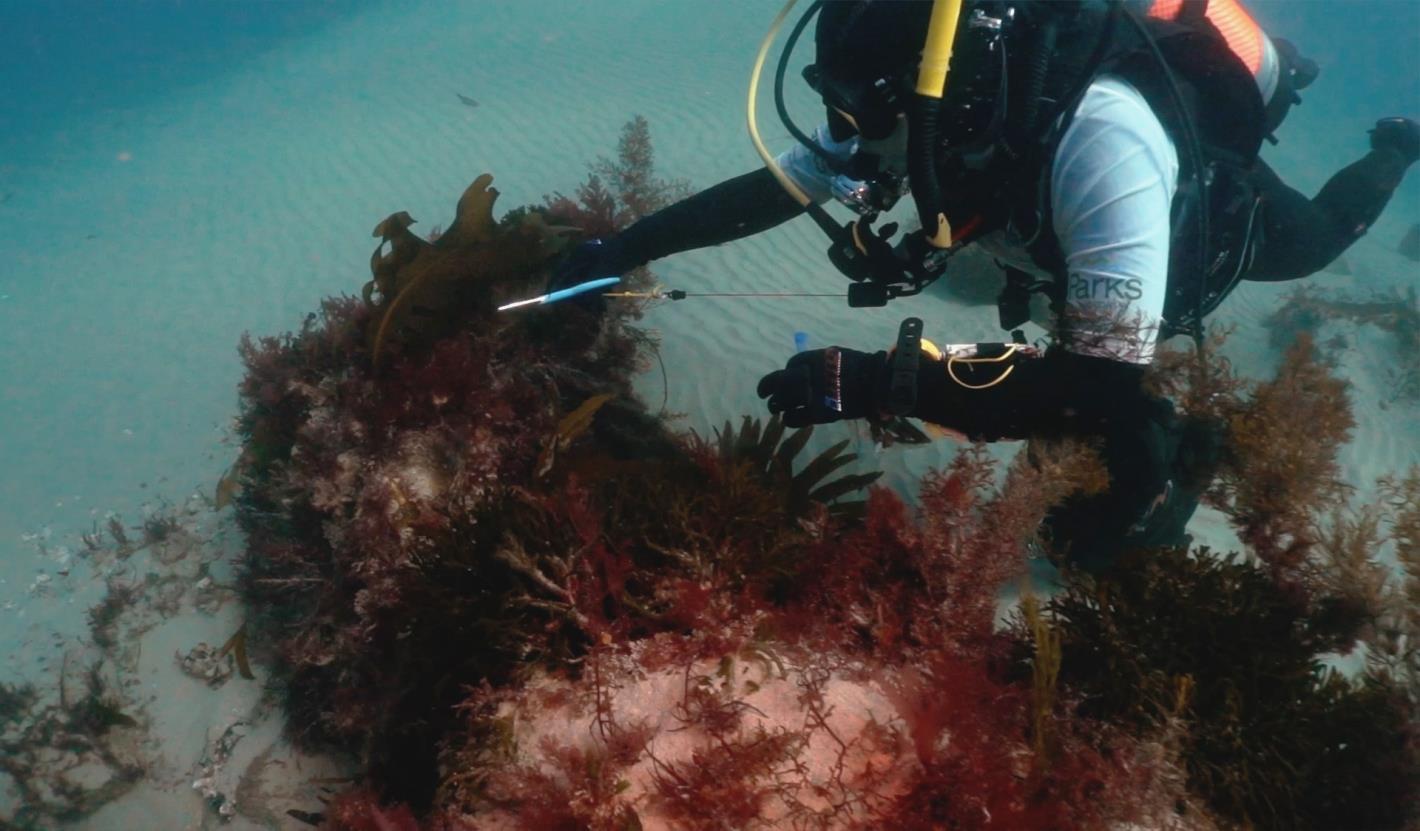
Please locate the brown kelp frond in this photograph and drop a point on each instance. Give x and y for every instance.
(421, 291)
(1045, 675)
(237, 646)
(572, 425)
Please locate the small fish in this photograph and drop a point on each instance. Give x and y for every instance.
(468, 102)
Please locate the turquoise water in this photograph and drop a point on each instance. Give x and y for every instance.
(174, 174)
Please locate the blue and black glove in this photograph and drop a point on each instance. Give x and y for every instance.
(826, 385)
(590, 260)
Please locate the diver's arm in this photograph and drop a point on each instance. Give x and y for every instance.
(1020, 395)
(1112, 184)
(1024, 395)
(1158, 462)
(736, 208)
(1301, 236)
(1004, 393)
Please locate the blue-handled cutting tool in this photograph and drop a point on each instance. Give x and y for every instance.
(562, 294)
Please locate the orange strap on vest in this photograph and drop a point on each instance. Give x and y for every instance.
(1244, 37)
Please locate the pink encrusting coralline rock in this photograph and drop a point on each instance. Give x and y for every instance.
(793, 742)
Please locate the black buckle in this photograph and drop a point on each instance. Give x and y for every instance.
(867, 295)
(881, 273)
(902, 389)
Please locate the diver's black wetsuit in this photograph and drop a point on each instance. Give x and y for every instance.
(1065, 393)
(734, 209)
(1300, 236)
(1148, 448)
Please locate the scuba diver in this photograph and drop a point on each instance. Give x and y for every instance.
(1105, 153)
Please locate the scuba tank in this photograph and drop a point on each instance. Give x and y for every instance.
(976, 146)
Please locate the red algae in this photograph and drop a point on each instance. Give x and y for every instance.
(521, 600)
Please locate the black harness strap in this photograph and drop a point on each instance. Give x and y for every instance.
(1193, 12)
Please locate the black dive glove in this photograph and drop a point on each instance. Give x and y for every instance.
(590, 260)
(1399, 134)
(826, 385)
